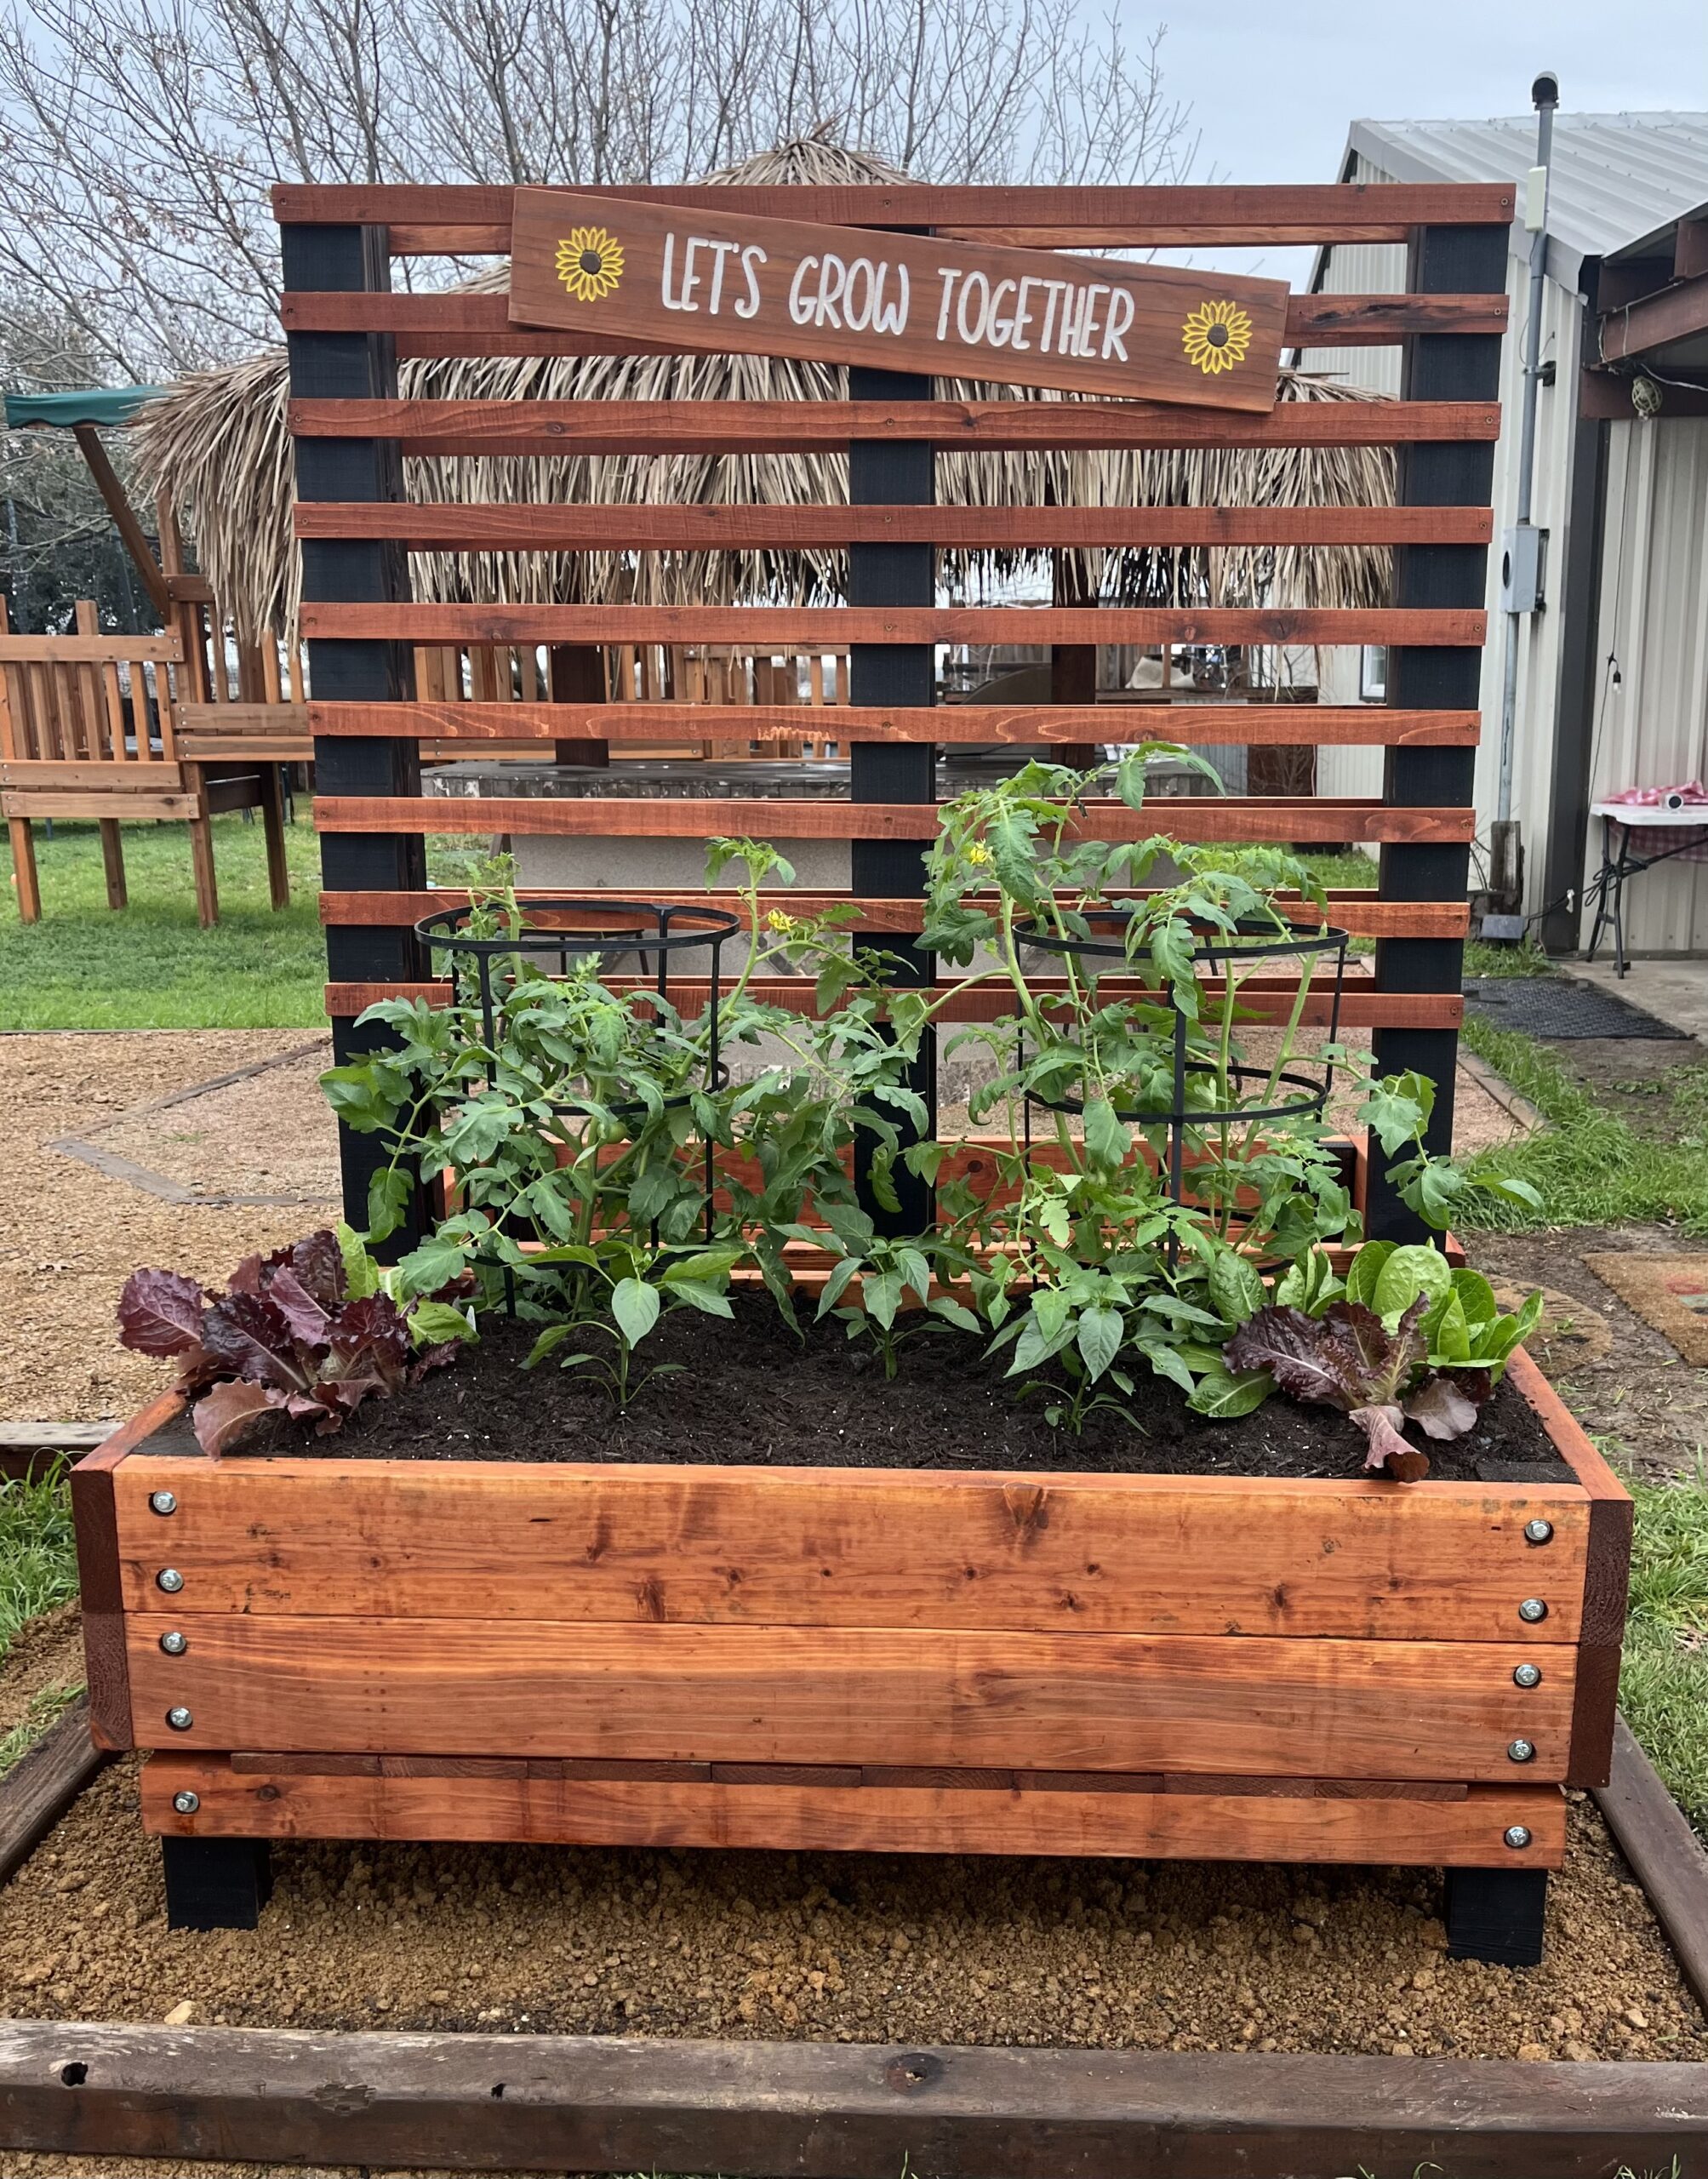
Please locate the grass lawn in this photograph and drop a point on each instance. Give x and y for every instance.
(1664, 1686)
(151, 966)
(1590, 1165)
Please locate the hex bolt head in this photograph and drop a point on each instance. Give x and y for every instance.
(169, 1579)
(187, 1802)
(1538, 1531)
(174, 1644)
(180, 1719)
(1520, 1751)
(162, 1501)
(1531, 1612)
(1516, 1835)
(1527, 1675)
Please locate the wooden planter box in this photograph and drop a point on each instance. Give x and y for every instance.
(875, 1660)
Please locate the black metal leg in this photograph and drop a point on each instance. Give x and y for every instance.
(1496, 1915)
(216, 1884)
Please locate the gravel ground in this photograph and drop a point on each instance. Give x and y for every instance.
(69, 1235)
(47, 1653)
(853, 1948)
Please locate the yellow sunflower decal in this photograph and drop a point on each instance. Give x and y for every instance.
(590, 263)
(1215, 337)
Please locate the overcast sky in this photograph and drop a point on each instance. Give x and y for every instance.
(1275, 82)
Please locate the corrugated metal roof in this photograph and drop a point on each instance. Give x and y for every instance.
(1616, 181)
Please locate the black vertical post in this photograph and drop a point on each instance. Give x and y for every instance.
(894, 472)
(1439, 366)
(357, 366)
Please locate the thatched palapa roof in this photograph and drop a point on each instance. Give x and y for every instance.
(216, 444)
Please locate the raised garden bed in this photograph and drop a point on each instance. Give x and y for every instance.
(1204, 1666)
(1008, 1550)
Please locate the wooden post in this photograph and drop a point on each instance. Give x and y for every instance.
(272, 784)
(1072, 666)
(24, 875)
(899, 472)
(93, 693)
(576, 675)
(323, 260)
(202, 848)
(1439, 366)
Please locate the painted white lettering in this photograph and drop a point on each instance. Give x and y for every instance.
(724, 250)
(747, 306)
(948, 274)
(1052, 289)
(857, 300)
(833, 279)
(891, 317)
(691, 279)
(1089, 330)
(1072, 317)
(1120, 318)
(802, 306)
(1000, 330)
(973, 310)
(669, 300)
(1023, 315)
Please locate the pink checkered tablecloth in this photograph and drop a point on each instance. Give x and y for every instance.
(1664, 833)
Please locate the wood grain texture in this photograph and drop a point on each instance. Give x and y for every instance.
(640, 817)
(1292, 725)
(463, 325)
(121, 803)
(99, 1582)
(43, 1783)
(1360, 914)
(809, 628)
(897, 1819)
(865, 2111)
(553, 428)
(1666, 1855)
(1359, 1009)
(859, 1548)
(1606, 1576)
(1323, 211)
(1121, 324)
(542, 526)
(666, 1692)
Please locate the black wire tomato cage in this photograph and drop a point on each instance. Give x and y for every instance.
(548, 927)
(1104, 941)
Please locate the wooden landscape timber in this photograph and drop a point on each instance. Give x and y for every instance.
(860, 2111)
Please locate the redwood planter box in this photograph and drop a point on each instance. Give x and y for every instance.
(875, 1659)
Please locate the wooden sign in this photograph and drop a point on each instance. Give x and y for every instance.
(726, 283)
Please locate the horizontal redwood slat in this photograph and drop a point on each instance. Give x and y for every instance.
(464, 324)
(1291, 725)
(1360, 913)
(1360, 1008)
(1319, 211)
(660, 1690)
(548, 428)
(807, 628)
(616, 817)
(331, 1803)
(543, 527)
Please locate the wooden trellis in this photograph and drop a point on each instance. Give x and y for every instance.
(346, 329)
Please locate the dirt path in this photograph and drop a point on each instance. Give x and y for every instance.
(69, 1234)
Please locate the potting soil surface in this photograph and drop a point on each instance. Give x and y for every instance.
(748, 1392)
(826, 1947)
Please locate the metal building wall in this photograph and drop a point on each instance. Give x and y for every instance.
(1653, 729)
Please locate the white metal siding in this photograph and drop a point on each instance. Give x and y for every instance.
(1652, 730)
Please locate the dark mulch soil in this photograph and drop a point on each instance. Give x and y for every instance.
(748, 1392)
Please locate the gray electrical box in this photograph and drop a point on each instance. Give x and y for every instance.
(1523, 566)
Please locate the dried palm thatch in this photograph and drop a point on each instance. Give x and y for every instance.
(216, 445)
